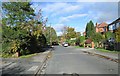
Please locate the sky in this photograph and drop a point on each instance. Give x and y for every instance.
(77, 13)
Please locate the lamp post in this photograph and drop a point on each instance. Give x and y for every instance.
(50, 34)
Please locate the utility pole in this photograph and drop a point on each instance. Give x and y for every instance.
(50, 34)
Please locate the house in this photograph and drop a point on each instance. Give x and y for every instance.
(84, 33)
(102, 28)
(114, 25)
(89, 43)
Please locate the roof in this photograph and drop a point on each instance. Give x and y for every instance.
(102, 25)
(88, 41)
(116, 21)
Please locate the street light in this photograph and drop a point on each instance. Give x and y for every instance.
(50, 34)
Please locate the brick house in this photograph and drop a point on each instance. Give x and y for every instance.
(84, 33)
(102, 27)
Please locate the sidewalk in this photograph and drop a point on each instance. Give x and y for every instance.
(37, 61)
(30, 65)
(108, 55)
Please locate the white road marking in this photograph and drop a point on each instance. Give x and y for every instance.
(33, 68)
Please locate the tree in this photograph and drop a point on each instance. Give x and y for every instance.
(17, 12)
(82, 39)
(51, 35)
(71, 33)
(78, 38)
(90, 29)
(109, 35)
(97, 37)
(64, 32)
(24, 37)
(117, 35)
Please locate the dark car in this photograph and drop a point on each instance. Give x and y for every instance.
(55, 43)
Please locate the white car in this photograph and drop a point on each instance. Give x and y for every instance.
(65, 45)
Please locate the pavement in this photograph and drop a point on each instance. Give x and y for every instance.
(107, 55)
(23, 65)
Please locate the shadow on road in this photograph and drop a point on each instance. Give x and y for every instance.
(12, 70)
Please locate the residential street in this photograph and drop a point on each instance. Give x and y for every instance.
(68, 60)
(64, 60)
(60, 37)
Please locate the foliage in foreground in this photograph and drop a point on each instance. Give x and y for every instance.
(20, 32)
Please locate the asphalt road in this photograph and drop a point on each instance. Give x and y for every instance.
(22, 66)
(68, 60)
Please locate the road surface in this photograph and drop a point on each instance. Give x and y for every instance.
(69, 60)
(64, 60)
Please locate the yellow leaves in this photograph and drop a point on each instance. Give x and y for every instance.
(37, 33)
(15, 45)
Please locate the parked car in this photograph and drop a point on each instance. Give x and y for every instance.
(55, 43)
(65, 44)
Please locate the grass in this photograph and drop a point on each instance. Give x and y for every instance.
(0, 55)
(109, 51)
(78, 47)
(102, 50)
(23, 56)
(28, 56)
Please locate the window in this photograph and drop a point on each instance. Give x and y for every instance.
(117, 25)
(105, 29)
(114, 27)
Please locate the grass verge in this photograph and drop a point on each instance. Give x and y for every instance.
(104, 50)
(78, 47)
(28, 56)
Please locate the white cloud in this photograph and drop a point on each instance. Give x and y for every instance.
(59, 33)
(76, 0)
(64, 19)
(105, 17)
(58, 27)
(71, 8)
(97, 0)
(53, 7)
(62, 12)
(60, 8)
(106, 14)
